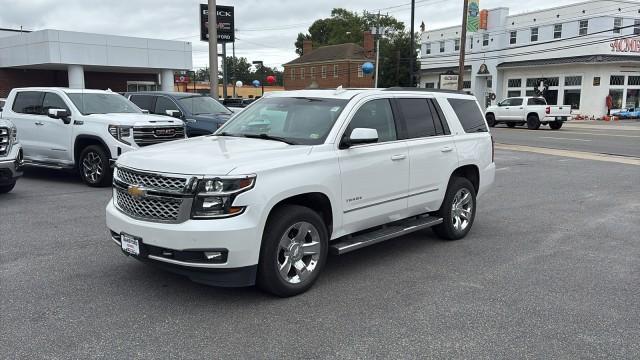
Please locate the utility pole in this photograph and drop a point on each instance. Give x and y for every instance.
(377, 35)
(233, 70)
(413, 44)
(463, 44)
(225, 78)
(213, 49)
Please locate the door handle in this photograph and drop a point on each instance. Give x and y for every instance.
(446, 149)
(39, 123)
(398, 157)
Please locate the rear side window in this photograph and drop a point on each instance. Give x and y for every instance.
(417, 117)
(536, 101)
(144, 102)
(28, 102)
(469, 115)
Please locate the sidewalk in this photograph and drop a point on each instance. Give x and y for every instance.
(604, 125)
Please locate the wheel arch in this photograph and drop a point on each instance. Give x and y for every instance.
(469, 172)
(533, 114)
(316, 201)
(82, 141)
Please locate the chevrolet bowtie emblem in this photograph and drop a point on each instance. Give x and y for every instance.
(136, 191)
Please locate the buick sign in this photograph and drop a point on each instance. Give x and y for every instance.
(224, 22)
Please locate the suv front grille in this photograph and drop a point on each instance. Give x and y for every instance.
(157, 182)
(155, 208)
(145, 136)
(5, 139)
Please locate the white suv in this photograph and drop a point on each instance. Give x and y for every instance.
(298, 174)
(83, 129)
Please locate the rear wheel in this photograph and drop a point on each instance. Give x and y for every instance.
(511, 124)
(458, 210)
(94, 166)
(533, 123)
(555, 125)
(491, 120)
(6, 188)
(294, 250)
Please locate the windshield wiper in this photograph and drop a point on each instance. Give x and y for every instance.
(269, 137)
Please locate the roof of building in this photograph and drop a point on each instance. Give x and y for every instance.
(348, 51)
(586, 59)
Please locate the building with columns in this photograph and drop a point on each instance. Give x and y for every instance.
(573, 55)
(85, 60)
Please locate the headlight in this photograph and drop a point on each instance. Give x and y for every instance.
(215, 196)
(121, 133)
(13, 138)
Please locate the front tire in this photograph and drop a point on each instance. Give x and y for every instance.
(458, 210)
(6, 188)
(94, 167)
(294, 250)
(491, 120)
(555, 125)
(533, 123)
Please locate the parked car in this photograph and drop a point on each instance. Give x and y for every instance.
(631, 113)
(10, 156)
(299, 174)
(532, 111)
(203, 114)
(83, 129)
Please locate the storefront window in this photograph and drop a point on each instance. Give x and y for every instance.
(634, 80)
(514, 93)
(515, 83)
(573, 81)
(633, 98)
(616, 80)
(616, 94)
(572, 97)
(551, 96)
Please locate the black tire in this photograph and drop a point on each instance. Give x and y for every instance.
(448, 230)
(491, 120)
(280, 224)
(511, 124)
(6, 188)
(555, 125)
(94, 166)
(533, 123)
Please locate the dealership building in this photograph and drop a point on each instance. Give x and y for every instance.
(85, 60)
(573, 55)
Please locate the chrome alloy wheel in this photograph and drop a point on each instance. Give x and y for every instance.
(462, 209)
(298, 252)
(92, 167)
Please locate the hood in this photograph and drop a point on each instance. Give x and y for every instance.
(209, 155)
(134, 119)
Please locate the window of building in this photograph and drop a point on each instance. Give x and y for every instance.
(456, 44)
(313, 72)
(584, 27)
(551, 96)
(163, 104)
(430, 85)
(617, 25)
(573, 81)
(360, 73)
(557, 31)
(485, 39)
(514, 83)
(489, 82)
(514, 93)
(533, 82)
(616, 95)
(302, 73)
(534, 34)
(633, 98)
(375, 114)
(634, 81)
(418, 118)
(135, 86)
(469, 115)
(513, 37)
(466, 84)
(552, 81)
(441, 46)
(324, 71)
(636, 27)
(53, 101)
(293, 74)
(530, 93)
(335, 71)
(572, 97)
(471, 42)
(616, 80)
(427, 49)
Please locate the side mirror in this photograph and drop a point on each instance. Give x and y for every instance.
(61, 114)
(361, 136)
(174, 113)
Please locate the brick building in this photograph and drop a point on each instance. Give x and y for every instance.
(328, 67)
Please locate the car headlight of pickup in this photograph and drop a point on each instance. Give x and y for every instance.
(215, 196)
(121, 133)
(13, 137)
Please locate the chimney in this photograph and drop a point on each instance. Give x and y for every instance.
(368, 44)
(307, 47)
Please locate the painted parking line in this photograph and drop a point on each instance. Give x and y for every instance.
(572, 154)
(561, 138)
(600, 134)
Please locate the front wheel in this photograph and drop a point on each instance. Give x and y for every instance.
(94, 166)
(555, 125)
(6, 188)
(458, 210)
(491, 120)
(294, 250)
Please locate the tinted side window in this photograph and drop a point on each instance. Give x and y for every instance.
(376, 114)
(417, 117)
(537, 101)
(144, 102)
(443, 119)
(469, 115)
(516, 102)
(163, 104)
(53, 101)
(28, 102)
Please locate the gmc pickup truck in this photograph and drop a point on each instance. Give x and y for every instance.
(10, 156)
(532, 111)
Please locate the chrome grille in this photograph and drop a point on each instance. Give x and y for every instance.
(5, 139)
(153, 181)
(156, 208)
(145, 136)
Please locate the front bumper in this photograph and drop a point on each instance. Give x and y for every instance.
(238, 237)
(11, 167)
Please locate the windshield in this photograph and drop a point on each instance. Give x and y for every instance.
(102, 103)
(200, 105)
(303, 121)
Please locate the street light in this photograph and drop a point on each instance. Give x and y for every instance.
(261, 63)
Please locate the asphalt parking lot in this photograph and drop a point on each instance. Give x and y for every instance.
(550, 270)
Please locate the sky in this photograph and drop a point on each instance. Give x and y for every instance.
(265, 29)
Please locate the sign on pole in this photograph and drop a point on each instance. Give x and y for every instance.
(224, 16)
(449, 82)
(473, 16)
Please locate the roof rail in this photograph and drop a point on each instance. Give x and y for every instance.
(399, 88)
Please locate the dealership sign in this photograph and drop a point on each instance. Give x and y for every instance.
(224, 21)
(625, 45)
(449, 82)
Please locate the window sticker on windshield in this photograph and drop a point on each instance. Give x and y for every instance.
(335, 108)
(314, 136)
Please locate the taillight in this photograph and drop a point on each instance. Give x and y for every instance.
(548, 110)
(493, 149)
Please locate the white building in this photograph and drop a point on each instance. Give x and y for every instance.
(581, 53)
(79, 60)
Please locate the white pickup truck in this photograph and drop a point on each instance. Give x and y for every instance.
(532, 111)
(83, 129)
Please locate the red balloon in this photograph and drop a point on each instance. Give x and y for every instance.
(271, 79)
